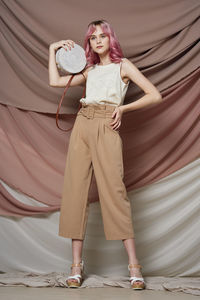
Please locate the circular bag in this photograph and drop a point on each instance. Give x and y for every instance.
(72, 61)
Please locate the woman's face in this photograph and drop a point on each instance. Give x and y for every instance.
(98, 38)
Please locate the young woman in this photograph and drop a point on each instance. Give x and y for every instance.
(95, 144)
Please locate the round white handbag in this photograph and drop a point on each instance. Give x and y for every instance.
(72, 61)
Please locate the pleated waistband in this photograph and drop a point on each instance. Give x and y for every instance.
(96, 110)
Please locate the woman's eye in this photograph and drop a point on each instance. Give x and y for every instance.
(92, 38)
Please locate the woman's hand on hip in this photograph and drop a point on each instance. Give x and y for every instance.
(117, 115)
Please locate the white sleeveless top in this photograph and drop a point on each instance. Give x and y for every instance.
(104, 85)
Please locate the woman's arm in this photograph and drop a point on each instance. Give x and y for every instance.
(55, 79)
(152, 94)
(53, 71)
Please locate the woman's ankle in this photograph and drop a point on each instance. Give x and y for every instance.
(133, 261)
(77, 261)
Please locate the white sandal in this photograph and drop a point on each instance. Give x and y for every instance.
(78, 277)
(134, 280)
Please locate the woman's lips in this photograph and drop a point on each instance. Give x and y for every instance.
(99, 46)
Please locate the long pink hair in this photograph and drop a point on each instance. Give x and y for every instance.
(115, 52)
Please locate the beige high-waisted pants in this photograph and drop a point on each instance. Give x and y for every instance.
(95, 146)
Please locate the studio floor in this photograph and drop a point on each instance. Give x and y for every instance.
(58, 293)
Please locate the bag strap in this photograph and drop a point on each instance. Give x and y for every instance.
(60, 103)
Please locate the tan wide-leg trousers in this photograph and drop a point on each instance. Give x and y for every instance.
(95, 146)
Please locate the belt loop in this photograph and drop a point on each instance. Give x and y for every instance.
(90, 112)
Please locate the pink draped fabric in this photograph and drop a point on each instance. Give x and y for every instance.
(157, 140)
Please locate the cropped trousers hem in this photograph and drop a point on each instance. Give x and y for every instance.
(80, 237)
(95, 148)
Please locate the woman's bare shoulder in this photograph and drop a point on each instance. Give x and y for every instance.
(128, 65)
(126, 60)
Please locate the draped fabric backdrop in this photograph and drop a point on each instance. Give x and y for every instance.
(161, 144)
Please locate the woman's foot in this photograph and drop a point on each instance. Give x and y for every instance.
(74, 271)
(136, 279)
(76, 276)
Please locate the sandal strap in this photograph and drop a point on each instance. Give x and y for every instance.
(134, 278)
(78, 277)
(130, 266)
(78, 264)
(74, 276)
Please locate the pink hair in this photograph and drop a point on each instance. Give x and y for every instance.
(115, 52)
